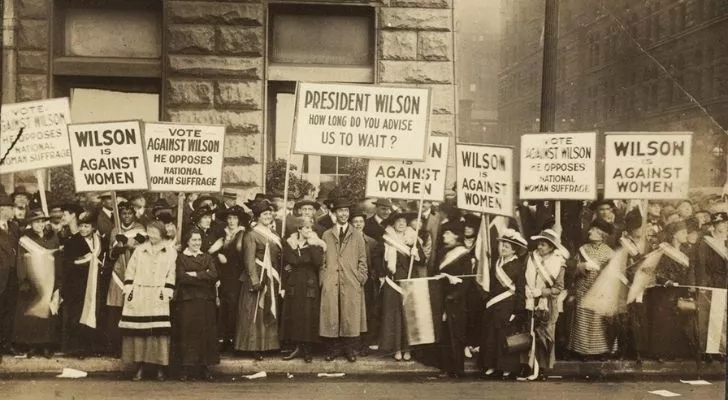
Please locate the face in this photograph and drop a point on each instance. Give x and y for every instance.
(654, 209)
(20, 212)
(56, 215)
(265, 218)
(194, 243)
(544, 248)
(596, 235)
(155, 236)
(68, 217)
(685, 209)
(38, 226)
(307, 211)
(721, 227)
(233, 221)
(384, 212)
(681, 236)
(192, 197)
(21, 201)
(93, 198)
(400, 225)
(171, 230)
(108, 203)
(358, 223)
(469, 231)
(605, 211)
(449, 238)
(126, 216)
(85, 230)
(693, 237)
(426, 206)
(506, 249)
(636, 234)
(305, 231)
(672, 218)
(139, 202)
(205, 221)
(415, 224)
(342, 215)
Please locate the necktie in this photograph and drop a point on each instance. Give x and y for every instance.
(341, 235)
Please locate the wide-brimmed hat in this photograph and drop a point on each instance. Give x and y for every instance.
(341, 203)
(87, 217)
(35, 215)
(357, 212)
(472, 220)
(165, 217)
(719, 217)
(601, 201)
(408, 216)
(206, 197)
(105, 195)
(199, 213)
(227, 194)
(513, 237)
(5, 200)
(383, 203)
(311, 203)
(252, 200)
(603, 226)
(261, 206)
(243, 217)
(161, 206)
(456, 227)
(72, 208)
(20, 191)
(633, 220)
(554, 238)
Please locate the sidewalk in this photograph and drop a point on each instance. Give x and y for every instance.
(369, 366)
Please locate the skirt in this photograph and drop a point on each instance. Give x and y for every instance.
(196, 328)
(33, 330)
(261, 335)
(588, 334)
(145, 349)
(393, 334)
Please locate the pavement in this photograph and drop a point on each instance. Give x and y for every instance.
(359, 388)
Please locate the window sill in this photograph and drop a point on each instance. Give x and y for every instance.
(108, 66)
(320, 73)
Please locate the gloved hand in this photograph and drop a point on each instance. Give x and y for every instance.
(140, 238)
(222, 258)
(122, 239)
(256, 288)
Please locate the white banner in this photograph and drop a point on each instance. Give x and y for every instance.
(558, 166)
(184, 158)
(485, 179)
(108, 156)
(44, 142)
(647, 165)
(408, 179)
(367, 121)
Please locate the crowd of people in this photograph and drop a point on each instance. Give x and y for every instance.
(297, 278)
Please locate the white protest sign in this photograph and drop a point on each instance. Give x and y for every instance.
(647, 165)
(108, 156)
(558, 166)
(44, 142)
(184, 158)
(485, 179)
(375, 122)
(408, 179)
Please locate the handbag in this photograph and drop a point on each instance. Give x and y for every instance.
(518, 343)
(686, 305)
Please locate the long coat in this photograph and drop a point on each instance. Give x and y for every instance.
(342, 278)
(301, 306)
(119, 258)
(710, 266)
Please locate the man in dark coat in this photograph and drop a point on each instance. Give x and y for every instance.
(326, 221)
(373, 227)
(371, 287)
(105, 221)
(711, 255)
(9, 235)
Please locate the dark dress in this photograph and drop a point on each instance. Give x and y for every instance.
(302, 302)
(195, 310)
(496, 319)
(669, 328)
(454, 328)
(229, 274)
(76, 338)
(31, 329)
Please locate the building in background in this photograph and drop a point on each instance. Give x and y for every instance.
(624, 65)
(232, 62)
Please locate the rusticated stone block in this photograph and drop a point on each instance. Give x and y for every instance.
(240, 40)
(33, 35)
(32, 62)
(242, 175)
(195, 39)
(32, 87)
(33, 9)
(189, 93)
(434, 46)
(239, 94)
(244, 122)
(422, 3)
(249, 147)
(415, 19)
(442, 124)
(191, 12)
(238, 67)
(443, 98)
(398, 45)
(415, 72)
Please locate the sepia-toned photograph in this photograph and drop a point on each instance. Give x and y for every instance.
(363, 199)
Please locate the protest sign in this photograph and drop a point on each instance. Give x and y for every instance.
(647, 165)
(409, 179)
(485, 179)
(44, 141)
(366, 121)
(184, 158)
(108, 156)
(558, 166)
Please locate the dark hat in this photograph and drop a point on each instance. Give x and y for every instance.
(165, 217)
(340, 203)
(229, 195)
(603, 226)
(72, 208)
(456, 227)
(261, 206)
(452, 212)
(692, 224)
(243, 217)
(514, 237)
(35, 215)
(672, 228)
(87, 217)
(125, 205)
(554, 238)
(302, 203)
(5, 200)
(19, 191)
(256, 198)
(408, 216)
(104, 194)
(472, 221)
(35, 199)
(203, 198)
(633, 220)
(161, 206)
(383, 203)
(719, 217)
(599, 202)
(199, 213)
(58, 207)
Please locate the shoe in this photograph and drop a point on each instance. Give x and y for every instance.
(398, 356)
(257, 356)
(160, 375)
(507, 376)
(308, 358)
(47, 353)
(184, 378)
(350, 356)
(364, 352)
(208, 376)
(294, 354)
(407, 356)
(330, 357)
(139, 375)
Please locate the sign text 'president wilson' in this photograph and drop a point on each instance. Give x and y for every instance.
(646, 165)
(485, 179)
(373, 122)
(108, 156)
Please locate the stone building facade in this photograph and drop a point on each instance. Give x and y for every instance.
(215, 60)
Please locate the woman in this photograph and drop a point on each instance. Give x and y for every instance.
(257, 326)
(230, 266)
(544, 284)
(505, 306)
(39, 277)
(149, 283)
(123, 240)
(588, 336)
(303, 255)
(668, 336)
(202, 220)
(82, 258)
(195, 309)
(399, 241)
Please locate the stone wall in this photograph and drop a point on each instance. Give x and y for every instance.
(33, 43)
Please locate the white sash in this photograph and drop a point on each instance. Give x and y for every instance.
(497, 299)
(88, 315)
(630, 246)
(273, 276)
(504, 280)
(398, 245)
(545, 275)
(453, 255)
(675, 254)
(393, 285)
(717, 247)
(268, 234)
(591, 265)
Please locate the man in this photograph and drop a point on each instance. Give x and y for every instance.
(343, 275)
(105, 221)
(605, 211)
(9, 235)
(326, 221)
(374, 227)
(229, 199)
(20, 197)
(189, 207)
(56, 220)
(143, 214)
(371, 287)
